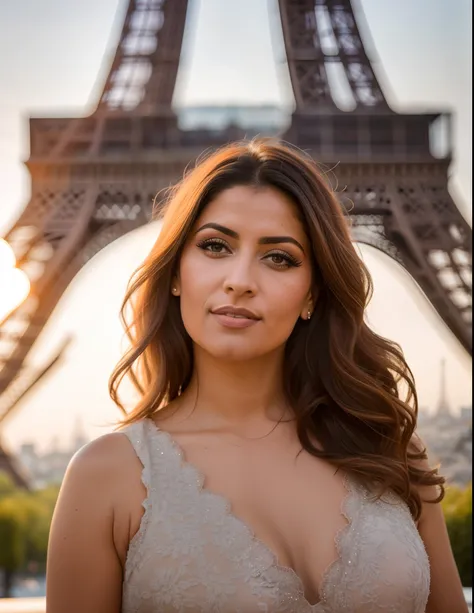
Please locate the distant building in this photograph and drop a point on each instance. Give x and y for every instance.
(448, 437)
(466, 415)
(13, 468)
(79, 438)
(49, 467)
(449, 443)
(443, 410)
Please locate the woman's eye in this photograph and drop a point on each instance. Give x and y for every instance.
(281, 260)
(278, 259)
(213, 246)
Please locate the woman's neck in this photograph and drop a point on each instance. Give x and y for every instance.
(239, 396)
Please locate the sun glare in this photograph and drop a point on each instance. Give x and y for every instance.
(14, 284)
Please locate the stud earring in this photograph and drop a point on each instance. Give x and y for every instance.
(309, 314)
(174, 290)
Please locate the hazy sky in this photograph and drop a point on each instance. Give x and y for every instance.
(51, 55)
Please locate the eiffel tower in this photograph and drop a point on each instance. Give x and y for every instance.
(94, 178)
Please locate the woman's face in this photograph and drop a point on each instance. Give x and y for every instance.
(245, 274)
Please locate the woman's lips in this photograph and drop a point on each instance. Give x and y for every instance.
(234, 321)
(232, 316)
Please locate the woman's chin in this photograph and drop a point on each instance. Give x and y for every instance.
(233, 352)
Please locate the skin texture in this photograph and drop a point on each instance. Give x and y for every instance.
(232, 422)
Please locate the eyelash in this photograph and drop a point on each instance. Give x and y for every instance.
(290, 261)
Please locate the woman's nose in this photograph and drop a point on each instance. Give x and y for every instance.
(240, 278)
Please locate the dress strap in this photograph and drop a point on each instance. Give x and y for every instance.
(138, 436)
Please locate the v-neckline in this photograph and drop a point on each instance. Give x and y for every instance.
(201, 487)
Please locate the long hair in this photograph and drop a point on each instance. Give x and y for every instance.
(349, 388)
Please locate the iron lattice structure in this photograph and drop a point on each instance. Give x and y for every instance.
(94, 178)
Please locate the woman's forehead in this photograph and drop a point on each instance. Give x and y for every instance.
(253, 209)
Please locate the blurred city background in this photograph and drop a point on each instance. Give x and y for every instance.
(233, 81)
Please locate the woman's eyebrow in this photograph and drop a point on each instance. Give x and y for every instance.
(264, 240)
(219, 228)
(273, 240)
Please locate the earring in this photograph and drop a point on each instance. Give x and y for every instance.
(309, 314)
(174, 290)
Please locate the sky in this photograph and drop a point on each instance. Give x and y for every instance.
(52, 61)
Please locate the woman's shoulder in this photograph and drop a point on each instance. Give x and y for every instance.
(103, 463)
(98, 505)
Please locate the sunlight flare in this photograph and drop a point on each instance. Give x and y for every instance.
(14, 283)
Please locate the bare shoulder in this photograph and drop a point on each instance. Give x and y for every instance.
(105, 476)
(90, 528)
(105, 449)
(102, 460)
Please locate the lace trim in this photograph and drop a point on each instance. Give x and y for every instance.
(350, 504)
(350, 507)
(136, 433)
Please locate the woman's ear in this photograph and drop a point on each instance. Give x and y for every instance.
(175, 287)
(313, 299)
(310, 304)
(308, 308)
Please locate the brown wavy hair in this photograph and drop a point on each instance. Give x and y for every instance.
(349, 388)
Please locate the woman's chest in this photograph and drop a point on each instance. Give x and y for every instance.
(282, 529)
(289, 500)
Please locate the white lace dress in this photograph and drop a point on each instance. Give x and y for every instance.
(191, 554)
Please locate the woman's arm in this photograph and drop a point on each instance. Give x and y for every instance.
(446, 595)
(84, 573)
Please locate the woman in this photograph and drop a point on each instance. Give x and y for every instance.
(270, 463)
